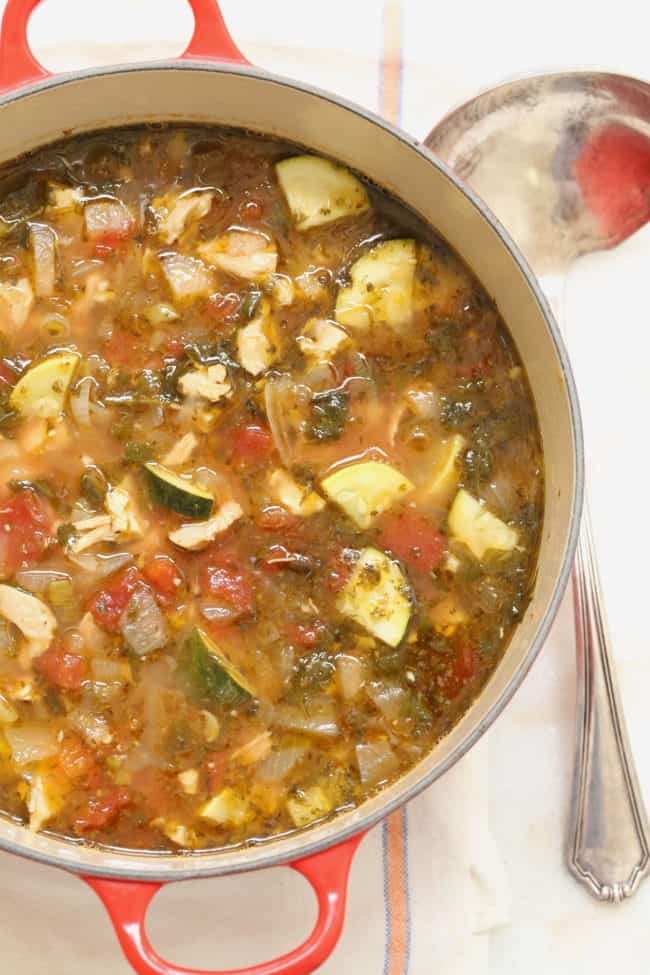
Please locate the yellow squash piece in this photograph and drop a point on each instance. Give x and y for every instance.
(42, 390)
(446, 473)
(377, 597)
(227, 808)
(319, 191)
(381, 287)
(471, 523)
(313, 804)
(366, 489)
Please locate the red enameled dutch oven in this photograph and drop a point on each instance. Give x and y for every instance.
(212, 82)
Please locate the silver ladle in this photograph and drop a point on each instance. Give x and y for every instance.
(563, 160)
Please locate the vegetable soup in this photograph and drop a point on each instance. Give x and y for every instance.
(272, 488)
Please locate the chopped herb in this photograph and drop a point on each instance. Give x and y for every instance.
(416, 709)
(476, 463)
(65, 533)
(93, 485)
(329, 414)
(445, 336)
(315, 670)
(41, 486)
(249, 306)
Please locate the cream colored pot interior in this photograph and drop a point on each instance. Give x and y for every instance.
(256, 101)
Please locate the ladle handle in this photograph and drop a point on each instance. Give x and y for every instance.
(608, 846)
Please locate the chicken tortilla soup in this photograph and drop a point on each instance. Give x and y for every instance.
(272, 488)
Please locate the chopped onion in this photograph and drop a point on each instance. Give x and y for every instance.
(424, 401)
(8, 713)
(8, 636)
(211, 726)
(142, 624)
(109, 670)
(108, 218)
(388, 698)
(284, 661)
(274, 393)
(38, 580)
(31, 743)
(93, 727)
(253, 750)
(43, 246)
(279, 763)
(101, 565)
(216, 612)
(211, 480)
(376, 761)
(321, 719)
(80, 401)
(350, 674)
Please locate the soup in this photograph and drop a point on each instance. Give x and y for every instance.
(272, 488)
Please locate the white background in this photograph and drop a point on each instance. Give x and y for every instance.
(450, 51)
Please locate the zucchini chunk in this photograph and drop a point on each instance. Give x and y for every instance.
(42, 390)
(319, 191)
(309, 805)
(228, 808)
(446, 472)
(177, 493)
(381, 287)
(213, 675)
(471, 523)
(376, 596)
(366, 489)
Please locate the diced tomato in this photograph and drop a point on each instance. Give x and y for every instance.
(224, 308)
(62, 668)
(278, 558)
(7, 375)
(25, 531)
(109, 603)
(413, 539)
(175, 348)
(252, 445)
(102, 809)
(465, 666)
(228, 586)
(164, 576)
(276, 519)
(305, 636)
(76, 758)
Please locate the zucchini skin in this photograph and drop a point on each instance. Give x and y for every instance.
(213, 678)
(174, 497)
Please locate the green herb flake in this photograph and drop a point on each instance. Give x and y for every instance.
(329, 414)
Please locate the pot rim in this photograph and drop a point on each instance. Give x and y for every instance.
(358, 822)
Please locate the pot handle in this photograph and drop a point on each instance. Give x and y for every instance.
(127, 902)
(18, 66)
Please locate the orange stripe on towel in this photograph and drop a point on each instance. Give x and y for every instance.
(397, 894)
(391, 63)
